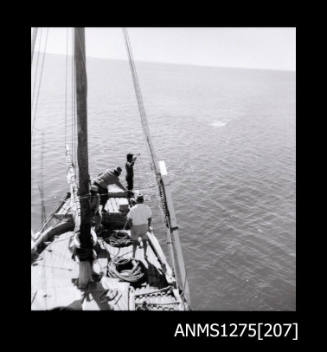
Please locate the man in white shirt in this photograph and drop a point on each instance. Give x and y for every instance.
(140, 219)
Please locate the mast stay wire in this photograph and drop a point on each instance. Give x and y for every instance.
(41, 188)
(40, 81)
(37, 83)
(36, 66)
(140, 102)
(145, 126)
(160, 181)
(73, 116)
(39, 73)
(66, 84)
(146, 130)
(34, 36)
(37, 44)
(139, 98)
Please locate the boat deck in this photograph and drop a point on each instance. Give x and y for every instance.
(54, 277)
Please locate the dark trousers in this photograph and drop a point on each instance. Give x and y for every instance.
(130, 183)
(103, 194)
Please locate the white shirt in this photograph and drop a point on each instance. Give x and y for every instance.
(139, 214)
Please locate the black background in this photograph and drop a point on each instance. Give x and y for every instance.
(103, 330)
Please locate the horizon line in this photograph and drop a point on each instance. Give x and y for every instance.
(180, 64)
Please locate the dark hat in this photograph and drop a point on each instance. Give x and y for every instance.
(118, 169)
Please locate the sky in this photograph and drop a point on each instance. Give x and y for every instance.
(261, 48)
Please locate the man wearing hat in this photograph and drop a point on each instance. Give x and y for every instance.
(106, 178)
(140, 219)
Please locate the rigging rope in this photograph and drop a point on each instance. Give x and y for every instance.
(139, 99)
(51, 216)
(43, 213)
(66, 83)
(40, 80)
(33, 43)
(118, 239)
(36, 67)
(145, 126)
(126, 269)
(37, 82)
(160, 181)
(73, 104)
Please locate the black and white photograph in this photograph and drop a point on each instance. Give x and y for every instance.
(163, 169)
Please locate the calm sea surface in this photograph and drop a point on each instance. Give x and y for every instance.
(228, 139)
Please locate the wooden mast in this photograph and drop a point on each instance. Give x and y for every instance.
(167, 203)
(85, 239)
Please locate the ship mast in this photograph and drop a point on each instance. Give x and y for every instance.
(84, 232)
(173, 240)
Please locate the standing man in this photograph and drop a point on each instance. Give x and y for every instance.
(130, 171)
(106, 178)
(140, 219)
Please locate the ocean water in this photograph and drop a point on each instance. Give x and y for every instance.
(228, 139)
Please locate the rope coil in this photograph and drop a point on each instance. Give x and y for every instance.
(126, 269)
(119, 239)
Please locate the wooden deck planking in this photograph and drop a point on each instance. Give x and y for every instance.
(52, 274)
(99, 298)
(52, 285)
